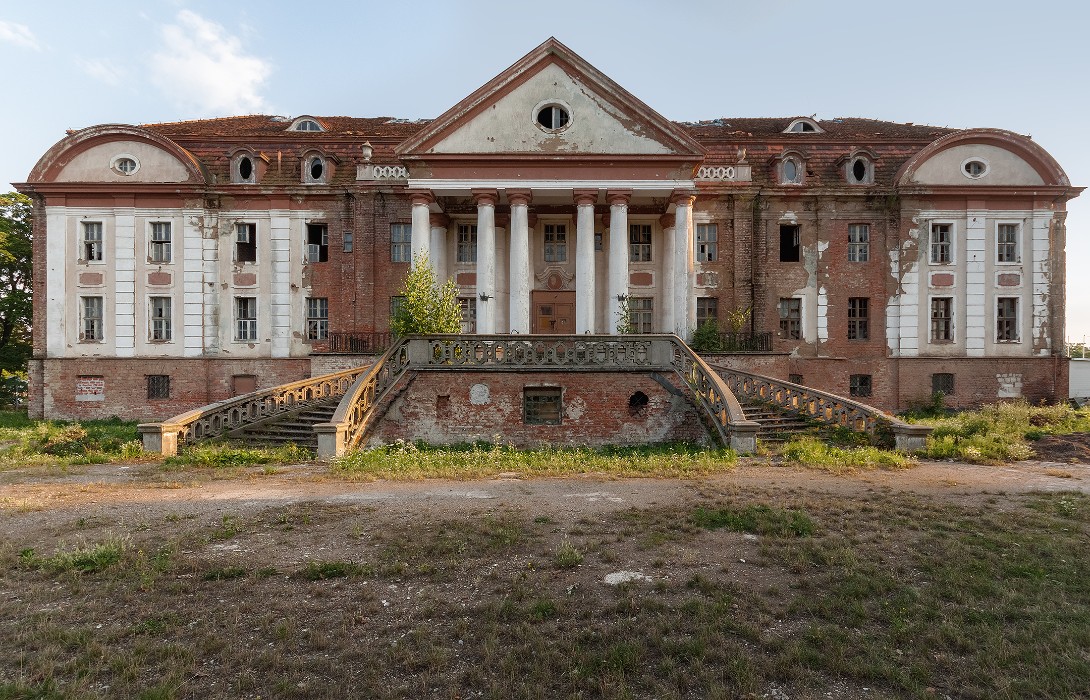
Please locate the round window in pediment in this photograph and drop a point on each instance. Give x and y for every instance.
(553, 117)
(125, 165)
(975, 168)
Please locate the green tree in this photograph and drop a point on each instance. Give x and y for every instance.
(16, 270)
(426, 306)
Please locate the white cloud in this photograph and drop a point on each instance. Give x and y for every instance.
(18, 34)
(200, 65)
(102, 70)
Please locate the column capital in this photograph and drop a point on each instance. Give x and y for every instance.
(485, 197)
(618, 198)
(519, 197)
(421, 197)
(585, 197)
(439, 221)
(683, 198)
(667, 221)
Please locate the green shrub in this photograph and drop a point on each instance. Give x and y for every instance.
(61, 443)
(811, 451)
(707, 338)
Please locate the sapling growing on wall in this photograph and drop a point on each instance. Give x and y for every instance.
(426, 306)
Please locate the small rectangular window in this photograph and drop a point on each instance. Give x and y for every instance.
(467, 243)
(859, 385)
(791, 318)
(401, 243)
(245, 243)
(858, 318)
(396, 305)
(556, 243)
(92, 241)
(159, 247)
(542, 405)
(790, 244)
(942, 383)
(858, 242)
(468, 307)
(246, 318)
(1006, 320)
(347, 241)
(942, 319)
(158, 386)
(1006, 245)
(795, 378)
(317, 318)
(641, 314)
(317, 243)
(942, 244)
(159, 317)
(91, 323)
(639, 243)
(707, 309)
(707, 242)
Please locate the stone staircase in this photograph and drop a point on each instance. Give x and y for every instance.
(777, 426)
(296, 427)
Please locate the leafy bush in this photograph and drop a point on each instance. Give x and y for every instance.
(60, 442)
(811, 451)
(707, 338)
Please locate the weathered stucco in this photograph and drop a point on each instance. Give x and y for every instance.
(93, 164)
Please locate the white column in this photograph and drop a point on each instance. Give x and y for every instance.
(486, 260)
(618, 257)
(421, 234)
(438, 252)
(125, 242)
(977, 325)
(585, 298)
(284, 323)
(519, 255)
(684, 269)
(666, 324)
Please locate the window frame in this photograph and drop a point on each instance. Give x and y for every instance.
(800, 170)
(933, 245)
(641, 314)
(160, 243)
(868, 170)
(790, 326)
(937, 323)
(401, 242)
(707, 246)
(555, 242)
(703, 306)
(160, 320)
(859, 245)
(860, 385)
(467, 306)
(858, 319)
(466, 244)
(640, 239)
(322, 252)
(246, 325)
(535, 397)
(92, 326)
(250, 229)
(936, 381)
(796, 244)
(92, 250)
(317, 318)
(158, 386)
(1007, 327)
(1014, 246)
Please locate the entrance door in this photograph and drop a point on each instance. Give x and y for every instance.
(554, 312)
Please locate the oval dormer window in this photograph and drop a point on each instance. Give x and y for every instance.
(975, 168)
(859, 170)
(245, 168)
(125, 165)
(790, 170)
(317, 168)
(553, 117)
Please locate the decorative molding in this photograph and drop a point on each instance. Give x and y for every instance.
(381, 172)
(553, 273)
(742, 172)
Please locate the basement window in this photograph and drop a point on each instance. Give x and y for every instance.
(158, 386)
(942, 383)
(859, 385)
(541, 405)
(789, 244)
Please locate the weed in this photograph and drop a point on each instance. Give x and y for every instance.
(87, 558)
(321, 570)
(567, 556)
(223, 455)
(757, 520)
(810, 451)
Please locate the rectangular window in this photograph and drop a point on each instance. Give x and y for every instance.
(159, 317)
(158, 386)
(401, 243)
(91, 325)
(858, 242)
(467, 243)
(639, 243)
(159, 246)
(791, 318)
(245, 243)
(317, 318)
(396, 304)
(942, 319)
(347, 241)
(859, 385)
(556, 243)
(942, 383)
(468, 307)
(795, 379)
(641, 314)
(1006, 243)
(92, 241)
(707, 242)
(942, 244)
(317, 243)
(790, 244)
(1006, 319)
(707, 309)
(542, 405)
(858, 318)
(245, 318)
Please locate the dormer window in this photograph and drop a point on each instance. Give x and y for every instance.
(317, 169)
(245, 168)
(790, 171)
(305, 124)
(860, 171)
(803, 125)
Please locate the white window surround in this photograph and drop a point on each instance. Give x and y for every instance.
(236, 173)
(309, 159)
(975, 159)
(784, 170)
(125, 164)
(1018, 224)
(803, 125)
(953, 319)
(306, 123)
(953, 242)
(850, 169)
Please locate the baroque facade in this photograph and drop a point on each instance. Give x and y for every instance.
(182, 263)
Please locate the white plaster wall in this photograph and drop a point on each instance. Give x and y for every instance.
(93, 165)
(974, 310)
(1004, 167)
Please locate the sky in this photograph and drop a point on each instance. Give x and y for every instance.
(956, 63)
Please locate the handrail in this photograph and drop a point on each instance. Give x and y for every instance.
(824, 407)
(219, 418)
(716, 398)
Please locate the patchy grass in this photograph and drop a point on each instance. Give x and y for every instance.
(756, 519)
(811, 451)
(26, 442)
(410, 461)
(567, 556)
(222, 455)
(83, 558)
(1000, 432)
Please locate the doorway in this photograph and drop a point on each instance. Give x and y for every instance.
(554, 312)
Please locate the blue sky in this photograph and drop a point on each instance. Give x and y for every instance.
(962, 63)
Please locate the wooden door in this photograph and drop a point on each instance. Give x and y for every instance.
(554, 312)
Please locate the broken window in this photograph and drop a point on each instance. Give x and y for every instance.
(317, 318)
(1006, 319)
(542, 405)
(859, 172)
(789, 243)
(556, 243)
(401, 243)
(246, 318)
(467, 243)
(92, 241)
(1006, 249)
(942, 383)
(707, 242)
(942, 319)
(245, 243)
(791, 318)
(859, 385)
(159, 316)
(942, 244)
(639, 243)
(858, 318)
(159, 248)
(91, 321)
(158, 386)
(707, 309)
(316, 169)
(858, 242)
(641, 314)
(468, 308)
(637, 404)
(317, 243)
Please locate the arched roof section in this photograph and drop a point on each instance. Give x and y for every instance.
(1023, 147)
(53, 163)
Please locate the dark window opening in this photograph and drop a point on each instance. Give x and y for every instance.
(245, 168)
(639, 243)
(858, 318)
(789, 244)
(158, 386)
(859, 170)
(553, 117)
(794, 378)
(317, 168)
(707, 309)
(942, 383)
(317, 243)
(859, 385)
(791, 318)
(637, 404)
(246, 243)
(541, 405)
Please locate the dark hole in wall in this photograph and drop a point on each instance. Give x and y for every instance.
(442, 406)
(637, 404)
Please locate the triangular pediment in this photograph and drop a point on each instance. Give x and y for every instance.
(501, 118)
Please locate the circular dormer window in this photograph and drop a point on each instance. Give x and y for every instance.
(974, 168)
(317, 168)
(245, 168)
(552, 116)
(125, 165)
